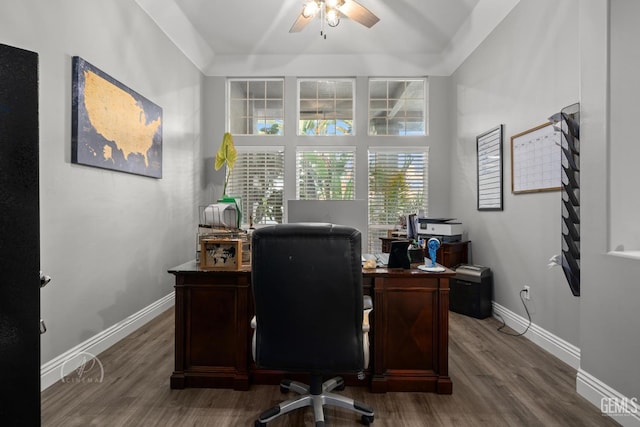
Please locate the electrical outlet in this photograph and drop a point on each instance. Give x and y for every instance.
(527, 292)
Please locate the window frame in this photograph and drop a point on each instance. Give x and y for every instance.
(228, 102)
(351, 80)
(327, 149)
(253, 149)
(424, 206)
(425, 100)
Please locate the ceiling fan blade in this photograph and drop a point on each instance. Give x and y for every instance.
(300, 23)
(357, 12)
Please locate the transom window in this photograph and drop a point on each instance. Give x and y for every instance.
(325, 173)
(397, 106)
(256, 107)
(325, 107)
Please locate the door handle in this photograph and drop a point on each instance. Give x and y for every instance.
(44, 281)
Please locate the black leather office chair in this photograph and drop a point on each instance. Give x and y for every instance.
(307, 288)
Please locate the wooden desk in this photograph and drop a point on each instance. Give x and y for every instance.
(409, 330)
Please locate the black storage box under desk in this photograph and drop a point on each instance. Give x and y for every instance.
(471, 291)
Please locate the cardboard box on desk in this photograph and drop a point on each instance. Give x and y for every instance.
(221, 254)
(224, 234)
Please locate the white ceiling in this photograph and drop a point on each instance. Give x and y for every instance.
(245, 37)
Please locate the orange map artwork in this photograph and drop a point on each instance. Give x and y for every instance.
(117, 116)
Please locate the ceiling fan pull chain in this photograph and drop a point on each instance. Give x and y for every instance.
(322, 12)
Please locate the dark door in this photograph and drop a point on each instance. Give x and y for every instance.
(19, 239)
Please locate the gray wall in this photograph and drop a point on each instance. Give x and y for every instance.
(518, 77)
(108, 238)
(609, 320)
(543, 56)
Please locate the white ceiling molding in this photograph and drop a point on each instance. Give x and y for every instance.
(170, 18)
(483, 20)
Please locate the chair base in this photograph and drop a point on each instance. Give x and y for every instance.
(316, 395)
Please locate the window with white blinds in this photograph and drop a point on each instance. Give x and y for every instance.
(325, 173)
(398, 185)
(258, 177)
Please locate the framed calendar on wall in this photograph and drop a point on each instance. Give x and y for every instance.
(536, 160)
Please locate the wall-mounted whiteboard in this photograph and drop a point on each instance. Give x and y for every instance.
(536, 162)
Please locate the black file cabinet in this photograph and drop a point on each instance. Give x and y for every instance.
(471, 291)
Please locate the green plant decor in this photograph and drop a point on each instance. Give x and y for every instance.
(227, 155)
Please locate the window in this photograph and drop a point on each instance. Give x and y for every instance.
(258, 177)
(398, 181)
(256, 107)
(325, 107)
(397, 107)
(325, 173)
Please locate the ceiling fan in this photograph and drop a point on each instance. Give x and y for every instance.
(330, 12)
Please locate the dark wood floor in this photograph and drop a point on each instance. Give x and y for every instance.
(498, 380)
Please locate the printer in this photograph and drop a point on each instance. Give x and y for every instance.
(444, 229)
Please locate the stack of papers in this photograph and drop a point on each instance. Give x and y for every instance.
(382, 259)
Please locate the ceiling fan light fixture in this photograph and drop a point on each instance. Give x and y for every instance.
(310, 8)
(330, 12)
(333, 17)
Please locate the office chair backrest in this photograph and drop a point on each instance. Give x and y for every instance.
(307, 287)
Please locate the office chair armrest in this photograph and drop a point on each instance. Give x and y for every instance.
(365, 321)
(367, 302)
(368, 307)
(254, 325)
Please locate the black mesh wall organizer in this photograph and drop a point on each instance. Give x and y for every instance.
(570, 137)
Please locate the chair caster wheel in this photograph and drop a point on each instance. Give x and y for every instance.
(366, 419)
(259, 423)
(284, 390)
(340, 386)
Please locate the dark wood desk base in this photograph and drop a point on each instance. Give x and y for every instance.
(409, 331)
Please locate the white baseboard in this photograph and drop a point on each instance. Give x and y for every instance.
(51, 371)
(595, 391)
(563, 350)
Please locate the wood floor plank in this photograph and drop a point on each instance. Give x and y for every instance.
(498, 380)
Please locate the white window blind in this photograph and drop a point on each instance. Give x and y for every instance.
(258, 176)
(398, 185)
(325, 173)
